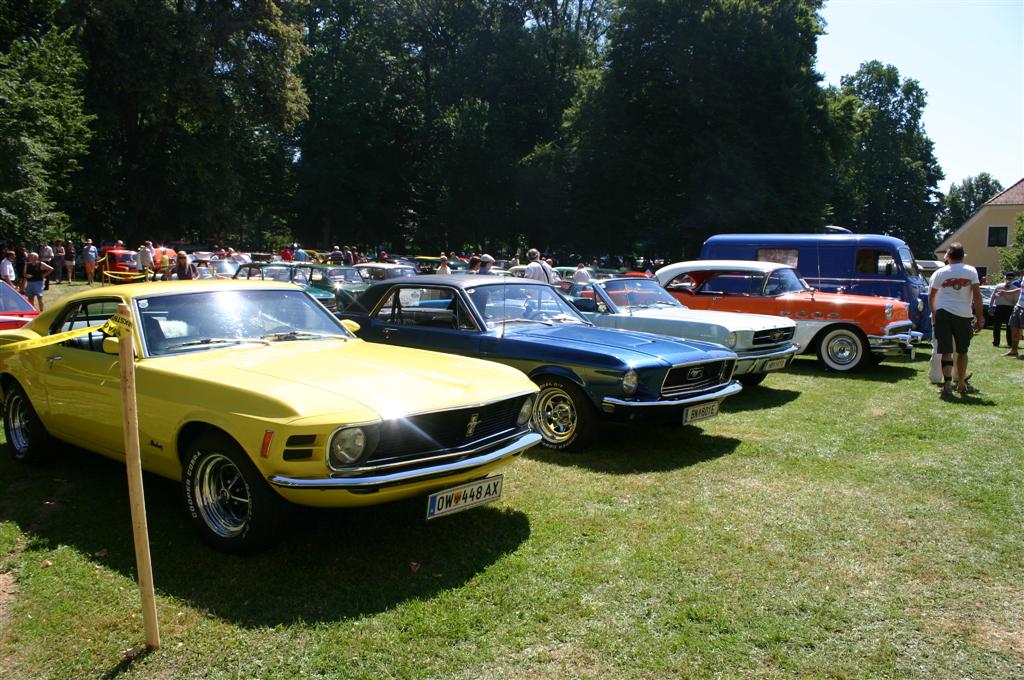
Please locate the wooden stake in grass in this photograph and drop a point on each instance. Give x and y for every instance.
(133, 461)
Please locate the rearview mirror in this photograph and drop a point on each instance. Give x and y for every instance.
(111, 345)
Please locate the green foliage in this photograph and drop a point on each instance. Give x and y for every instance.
(708, 117)
(1012, 258)
(964, 199)
(886, 175)
(196, 103)
(43, 133)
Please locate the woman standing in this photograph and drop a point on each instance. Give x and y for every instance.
(69, 261)
(58, 260)
(36, 272)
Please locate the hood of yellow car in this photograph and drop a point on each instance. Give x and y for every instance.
(318, 377)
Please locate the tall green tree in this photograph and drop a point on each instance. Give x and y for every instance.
(43, 129)
(1012, 258)
(963, 200)
(196, 103)
(886, 177)
(707, 117)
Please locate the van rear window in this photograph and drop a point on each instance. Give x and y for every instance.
(786, 256)
(871, 261)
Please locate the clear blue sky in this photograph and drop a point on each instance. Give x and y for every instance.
(968, 55)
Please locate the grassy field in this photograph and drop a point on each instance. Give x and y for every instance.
(822, 526)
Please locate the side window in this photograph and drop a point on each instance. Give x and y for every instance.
(997, 235)
(873, 261)
(426, 307)
(316, 276)
(730, 284)
(682, 282)
(786, 256)
(586, 299)
(84, 315)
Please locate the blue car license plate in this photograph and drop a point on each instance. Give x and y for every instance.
(463, 497)
(700, 412)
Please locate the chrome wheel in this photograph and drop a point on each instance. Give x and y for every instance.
(842, 349)
(555, 416)
(222, 495)
(19, 419)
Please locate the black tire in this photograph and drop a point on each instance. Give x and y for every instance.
(752, 379)
(842, 348)
(29, 441)
(563, 415)
(232, 506)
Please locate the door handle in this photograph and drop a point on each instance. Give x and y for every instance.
(388, 331)
(53, 358)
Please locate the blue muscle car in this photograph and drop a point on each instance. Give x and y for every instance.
(584, 373)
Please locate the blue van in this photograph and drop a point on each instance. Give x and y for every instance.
(861, 264)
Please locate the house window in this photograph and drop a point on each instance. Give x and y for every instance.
(997, 236)
(786, 256)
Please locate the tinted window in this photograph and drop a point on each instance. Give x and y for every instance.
(733, 283)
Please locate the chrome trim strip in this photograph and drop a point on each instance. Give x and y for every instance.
(769, 354)
(522, 443)
(727, 391)
(747, 362)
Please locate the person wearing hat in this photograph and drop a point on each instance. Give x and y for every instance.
(486, 262)
(1004, 298)
(89, 257)
(538, 269)
(443, 269)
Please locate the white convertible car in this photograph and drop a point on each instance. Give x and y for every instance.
(762, 343)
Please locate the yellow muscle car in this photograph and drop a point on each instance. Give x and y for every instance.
(252, 393)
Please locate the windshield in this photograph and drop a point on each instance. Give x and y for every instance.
(782, 281)
(344, 274)
(501, 304)
(224, 267)
(909, 265)
(626, 293)
(283, 274)
(399, 272)
(189, 322)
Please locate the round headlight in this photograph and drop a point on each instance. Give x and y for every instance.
(630, 382)
(347, 446)
(731, 340)
(888, 312)
(525, 412)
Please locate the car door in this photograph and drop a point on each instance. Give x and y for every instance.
(425, 317)
(83, 384)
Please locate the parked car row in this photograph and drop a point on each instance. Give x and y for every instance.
(325, 385)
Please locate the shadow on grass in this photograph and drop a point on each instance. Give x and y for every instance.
(883, 372)
(758, 397)
(333, 564)
(624, 449)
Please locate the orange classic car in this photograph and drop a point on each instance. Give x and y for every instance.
(845, 331)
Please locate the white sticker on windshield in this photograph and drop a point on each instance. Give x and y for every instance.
(143, 304)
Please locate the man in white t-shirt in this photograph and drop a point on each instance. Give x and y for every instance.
(538, 269)
(581, 276)
(955, 300)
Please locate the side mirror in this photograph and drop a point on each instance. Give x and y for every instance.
(111, 345)
(350, 325)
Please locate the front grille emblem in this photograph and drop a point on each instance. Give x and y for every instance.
(778, 334)
(695, 373)
(474, 420)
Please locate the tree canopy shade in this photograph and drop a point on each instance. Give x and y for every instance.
(43, 127)
(963, 200)
(575, 125)
(1012, 258)
(195, 104)
(886, 174)
(707, 117)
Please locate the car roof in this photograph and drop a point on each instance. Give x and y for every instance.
(734, 265)
(471, 281)
(805, 239)
(289, 263)
(384, 265)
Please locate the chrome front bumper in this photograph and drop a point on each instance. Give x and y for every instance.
(614, 404)
(507, 450)
(897, 345)
(754, 361)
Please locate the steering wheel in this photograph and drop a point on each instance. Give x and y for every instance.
(535, 314)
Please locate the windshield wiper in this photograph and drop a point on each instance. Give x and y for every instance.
(300, 335)
(216, 341)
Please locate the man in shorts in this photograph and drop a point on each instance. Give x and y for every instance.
(955, 300)
(1015, 327)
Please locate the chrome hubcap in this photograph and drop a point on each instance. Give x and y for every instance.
(222, 496)
(554, 417)
(18, 423)
(843, 350)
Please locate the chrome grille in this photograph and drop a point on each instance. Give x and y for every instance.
(693, 378)
(406, 437)
(773, 336)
